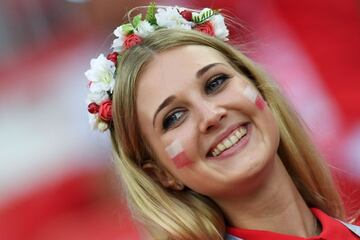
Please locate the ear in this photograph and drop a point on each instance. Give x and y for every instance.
(162, 176)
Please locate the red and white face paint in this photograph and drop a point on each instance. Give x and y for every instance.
(254, 97)
(177, 154)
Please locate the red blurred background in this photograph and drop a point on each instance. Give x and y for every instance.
(57, 180)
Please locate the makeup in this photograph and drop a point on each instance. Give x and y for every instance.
(177, 154)
(254, 97)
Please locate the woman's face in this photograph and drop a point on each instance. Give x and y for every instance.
(190, 96)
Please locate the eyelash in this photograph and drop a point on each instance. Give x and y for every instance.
(169, 122)
(221, 77)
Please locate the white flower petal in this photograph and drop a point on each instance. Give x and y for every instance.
(97, 97)
(97, 87)
(171, 18)
(102, 126)
(101, 74)
(118, 31)
(144, 28)
(220, 28)
(93, 121)
(118, 44)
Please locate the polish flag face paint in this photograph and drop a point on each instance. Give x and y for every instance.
(177, 154)
(254, 97)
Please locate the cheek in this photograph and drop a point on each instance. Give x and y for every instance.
(178, 154)
(274, 130)
(180, 145)
(251, 94)
(260, 102)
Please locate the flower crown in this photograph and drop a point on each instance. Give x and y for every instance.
(101, 75)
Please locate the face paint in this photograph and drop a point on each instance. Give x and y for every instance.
(177, 154)
(254, 97)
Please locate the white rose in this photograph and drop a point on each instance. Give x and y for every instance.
(117, 44)
(171, 18)
(220, 28)
(92, 121)
(144, 28)
(102, 126)
(97, 97)
(101, 74)
(119, 41)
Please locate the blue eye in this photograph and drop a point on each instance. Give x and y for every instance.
(172, 119)
(215, 83)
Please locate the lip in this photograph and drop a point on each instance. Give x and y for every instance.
(225, 134)
(238, 146)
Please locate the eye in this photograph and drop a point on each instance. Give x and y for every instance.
(215, 83)
(172, 119)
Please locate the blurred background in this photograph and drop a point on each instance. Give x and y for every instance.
(57, 180)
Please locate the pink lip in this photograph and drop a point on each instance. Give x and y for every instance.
(237, 147)
(225, 134)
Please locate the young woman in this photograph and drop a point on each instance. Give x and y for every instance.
(206, 145)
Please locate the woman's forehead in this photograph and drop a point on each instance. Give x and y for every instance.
(171, 72)
(184, 59)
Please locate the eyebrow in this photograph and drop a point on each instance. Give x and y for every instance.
(166, 102)
(203, 70)
(171, 98)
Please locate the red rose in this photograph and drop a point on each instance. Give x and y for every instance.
(131, 40)
(105, 111)
(93, 108)
(112, 57)
(186, 14)
(206, 28)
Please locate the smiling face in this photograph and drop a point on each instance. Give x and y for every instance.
(192, 98)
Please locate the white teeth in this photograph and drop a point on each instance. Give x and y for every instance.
(234, 139)
(228, 142)
(243, 131)
(238, 134)
(220, 147)
(216, 151)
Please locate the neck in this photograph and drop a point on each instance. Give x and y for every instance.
(275, 206)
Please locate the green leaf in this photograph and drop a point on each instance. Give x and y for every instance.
(207, 14)
(203, 16)
(196, 18)
(150, 13)
(136, 20)
(127, 28)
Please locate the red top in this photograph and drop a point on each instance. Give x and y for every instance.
(331, 230)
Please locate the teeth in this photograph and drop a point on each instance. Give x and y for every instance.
(229, 141)
(220, 147)
(216, 152)
(234, 139)
(243, 130)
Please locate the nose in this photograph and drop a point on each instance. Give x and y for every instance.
(211, 116)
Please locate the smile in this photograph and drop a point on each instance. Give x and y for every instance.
(234, 138)
(230, 141)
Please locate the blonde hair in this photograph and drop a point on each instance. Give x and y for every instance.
(185, 214)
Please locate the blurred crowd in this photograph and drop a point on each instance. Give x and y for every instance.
(57, 180)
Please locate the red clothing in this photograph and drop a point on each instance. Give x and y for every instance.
(332, 229)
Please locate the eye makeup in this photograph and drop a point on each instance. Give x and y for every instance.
(215, 83)
(254, 97)
(177, 154)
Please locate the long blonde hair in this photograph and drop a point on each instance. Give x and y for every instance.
(186, 214)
